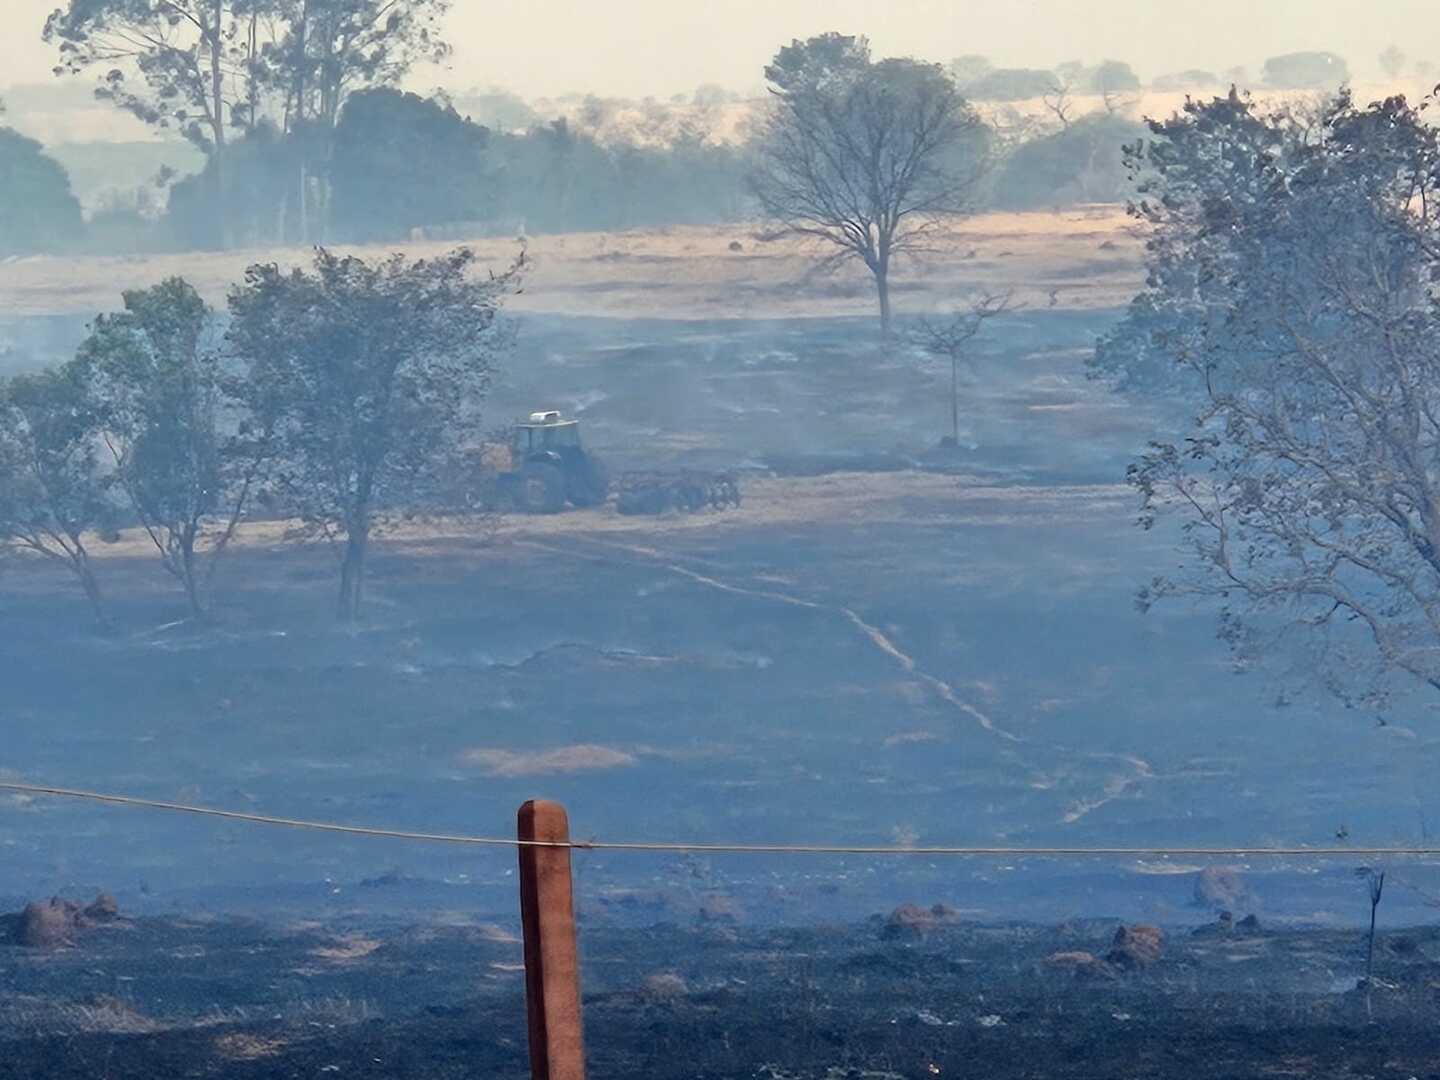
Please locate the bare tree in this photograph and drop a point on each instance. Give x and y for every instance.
(864, 157)
(950, 339)
(1059, 100)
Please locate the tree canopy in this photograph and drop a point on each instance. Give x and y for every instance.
(38, 212)
(370, 375)
(182, 457)
(1291, 287)
(401, 161)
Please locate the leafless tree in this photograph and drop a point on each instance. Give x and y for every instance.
(1059, 101)
(950, 339)
(864, 157)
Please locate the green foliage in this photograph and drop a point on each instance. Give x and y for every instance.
(168, 419)
(1082, 162)
(815, 62)
(52, 490)
(1113, 77)
(38, 213)
(262, 175)
(370, 375)
(401, 161)
(183, 51)
(556, 179)
(327, 50)
(1291, 276)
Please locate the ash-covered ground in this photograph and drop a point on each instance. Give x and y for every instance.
(886, 644)
(231, 998)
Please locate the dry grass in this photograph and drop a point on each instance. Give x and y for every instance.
(240, 1046)
(346, 950)
(562, 760)
(769, 502)
(1048, 259)
(100, 1015)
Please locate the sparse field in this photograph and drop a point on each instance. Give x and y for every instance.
(1086, 257)
(885, 644)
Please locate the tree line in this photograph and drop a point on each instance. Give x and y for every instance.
(334, 396)
(307, 138)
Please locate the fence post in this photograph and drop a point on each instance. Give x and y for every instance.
(552, 964)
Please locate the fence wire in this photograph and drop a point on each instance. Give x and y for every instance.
(963, 851)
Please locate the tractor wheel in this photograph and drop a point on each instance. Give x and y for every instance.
(588, 482)
(540, 489)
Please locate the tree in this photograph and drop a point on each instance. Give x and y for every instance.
(1392, 62)
(951, 339)
(332, 48)
(1082, 162)
(38, 212)
(1117, 85)
(52, 492)
(1292, 285)
(184, 458)
(401, 161)
(1306, 71)
(372, 374)
(1114, 77)
(864, 157)
(969, 69)
(197, 60)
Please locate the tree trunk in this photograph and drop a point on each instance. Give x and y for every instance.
(955, 398)
(304, 205)
(352, 573)
(190, 579)
(81, 562)
(882, 286)
(217, 126)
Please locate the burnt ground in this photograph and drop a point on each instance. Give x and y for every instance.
(239, 999)
(879, 647)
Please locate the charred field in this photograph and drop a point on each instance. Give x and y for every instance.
(233, 998)
(886, 644)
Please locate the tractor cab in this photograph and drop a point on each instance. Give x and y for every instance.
(545, 435)
(549, 468)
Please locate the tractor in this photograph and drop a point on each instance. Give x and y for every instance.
(549, 468)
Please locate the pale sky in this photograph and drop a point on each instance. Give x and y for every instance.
(634, 48)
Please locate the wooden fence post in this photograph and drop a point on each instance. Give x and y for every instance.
(552, 963)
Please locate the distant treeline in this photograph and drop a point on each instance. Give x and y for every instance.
(394, 165)
(398, 164)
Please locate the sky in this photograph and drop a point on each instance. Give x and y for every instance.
(635, 48)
